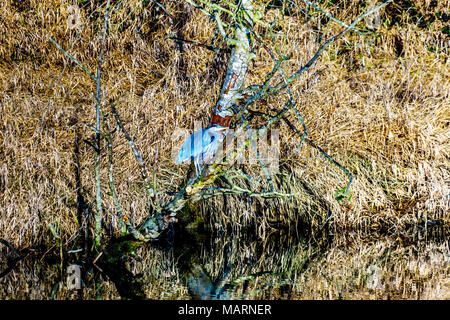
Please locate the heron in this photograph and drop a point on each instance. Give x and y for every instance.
(201, 146)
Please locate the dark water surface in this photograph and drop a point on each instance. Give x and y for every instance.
(242, 266)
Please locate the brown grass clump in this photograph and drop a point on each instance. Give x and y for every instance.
(380, 108)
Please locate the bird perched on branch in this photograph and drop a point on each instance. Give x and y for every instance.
(201, 146)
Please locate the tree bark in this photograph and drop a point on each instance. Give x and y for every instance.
(236, 71)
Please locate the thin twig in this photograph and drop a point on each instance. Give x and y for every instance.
(136, 152)
(198, 44)
(73, 59)
(331, 17)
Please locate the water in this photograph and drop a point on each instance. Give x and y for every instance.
(198, 265)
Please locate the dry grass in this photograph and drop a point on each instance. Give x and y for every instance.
(381, 109)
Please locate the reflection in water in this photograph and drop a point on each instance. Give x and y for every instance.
(237, 267)
(203, 287)
(243, 266)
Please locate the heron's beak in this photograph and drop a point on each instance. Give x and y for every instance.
(219, 129)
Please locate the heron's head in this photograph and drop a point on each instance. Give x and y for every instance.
(216, 129)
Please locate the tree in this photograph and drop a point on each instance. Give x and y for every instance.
(239, 24)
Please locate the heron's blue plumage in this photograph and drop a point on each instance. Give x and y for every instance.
(202, 144)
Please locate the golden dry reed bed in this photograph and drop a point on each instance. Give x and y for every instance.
(380, 107)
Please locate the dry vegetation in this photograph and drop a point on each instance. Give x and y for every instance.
(381, 107)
